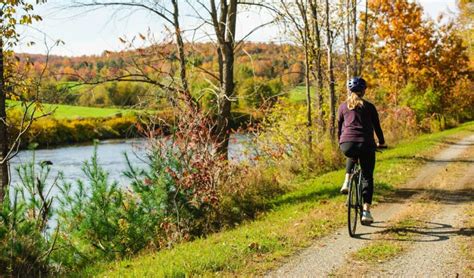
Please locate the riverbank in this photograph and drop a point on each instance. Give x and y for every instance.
(54, 131)
(312, 210)
(51, 132)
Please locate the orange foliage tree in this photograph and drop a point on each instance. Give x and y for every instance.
(423, 59)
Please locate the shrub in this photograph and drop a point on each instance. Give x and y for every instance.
(102, 220)
(398, 123)
(283, 142)
(125, 93)
(121, 126)
(25, 241)
(423, 103)
(259, 93)
(49, 131)
(457, 110)
(247, 192)
(175, 198)
(97, 96)
(91, 216)
(193, 171)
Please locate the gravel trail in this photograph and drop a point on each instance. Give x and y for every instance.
(435, 253)
(330, 253)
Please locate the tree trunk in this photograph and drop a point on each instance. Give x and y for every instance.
(228, 21)
(331, 82)
(227, 88)
(317, 63)
(4, 179)
(308, 97)
(319, 94)
(332, 96)
(364, 38)
(347, 41)
(188, 99)
(354, 38)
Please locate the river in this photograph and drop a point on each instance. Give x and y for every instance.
(70, 159)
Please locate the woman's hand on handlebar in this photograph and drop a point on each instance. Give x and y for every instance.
(381, 146)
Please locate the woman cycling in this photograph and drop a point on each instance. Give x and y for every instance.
(358, 119)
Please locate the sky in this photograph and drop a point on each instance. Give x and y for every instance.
(92, 32)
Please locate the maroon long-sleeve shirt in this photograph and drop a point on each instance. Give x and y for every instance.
(358, 125)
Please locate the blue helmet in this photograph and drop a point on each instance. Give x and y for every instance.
(357, 85)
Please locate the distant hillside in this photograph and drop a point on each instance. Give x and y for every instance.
(262, 70)
(262, 59)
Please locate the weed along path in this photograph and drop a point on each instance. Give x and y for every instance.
(423, 228)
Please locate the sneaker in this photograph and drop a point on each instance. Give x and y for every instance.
(367, 218)
(345, 187)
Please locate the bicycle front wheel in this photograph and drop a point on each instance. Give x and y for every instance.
(352, 206)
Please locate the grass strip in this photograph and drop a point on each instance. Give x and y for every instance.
(297, 218)
(397, 239)
(379, 251)
(62, 111)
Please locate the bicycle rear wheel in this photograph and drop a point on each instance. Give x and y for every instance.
(352, 205)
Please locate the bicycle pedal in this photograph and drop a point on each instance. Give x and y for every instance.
(366, 223)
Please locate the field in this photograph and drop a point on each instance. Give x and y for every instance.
(298, 94)
(73, 112)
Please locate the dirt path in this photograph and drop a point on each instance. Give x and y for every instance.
(433, 252)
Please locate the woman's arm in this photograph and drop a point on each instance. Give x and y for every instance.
(340, 121)
(376, 124)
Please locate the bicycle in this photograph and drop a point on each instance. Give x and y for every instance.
(354, 197)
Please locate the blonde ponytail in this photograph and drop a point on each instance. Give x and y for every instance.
(354, 101)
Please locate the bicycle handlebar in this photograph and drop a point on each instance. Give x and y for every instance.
(380, 148)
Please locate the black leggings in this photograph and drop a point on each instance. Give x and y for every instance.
(366, 155)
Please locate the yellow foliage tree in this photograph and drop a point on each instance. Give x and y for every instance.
(12, 14)
(402, 43)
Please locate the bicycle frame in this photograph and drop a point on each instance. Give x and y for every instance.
(354, 206)
(358, 171)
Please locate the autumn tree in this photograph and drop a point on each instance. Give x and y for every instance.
(402, 54)
(12, 13)
(222, 17)
(422, 58)
(224, 22)
(466, 25)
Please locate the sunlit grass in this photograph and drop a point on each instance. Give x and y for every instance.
(379, 251)
(298, 94)
(61, 111)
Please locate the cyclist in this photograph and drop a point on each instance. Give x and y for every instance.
(358, 119)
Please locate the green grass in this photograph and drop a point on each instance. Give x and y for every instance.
(298, 94)
(297, 218)
(70, 112)
(378, 252)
